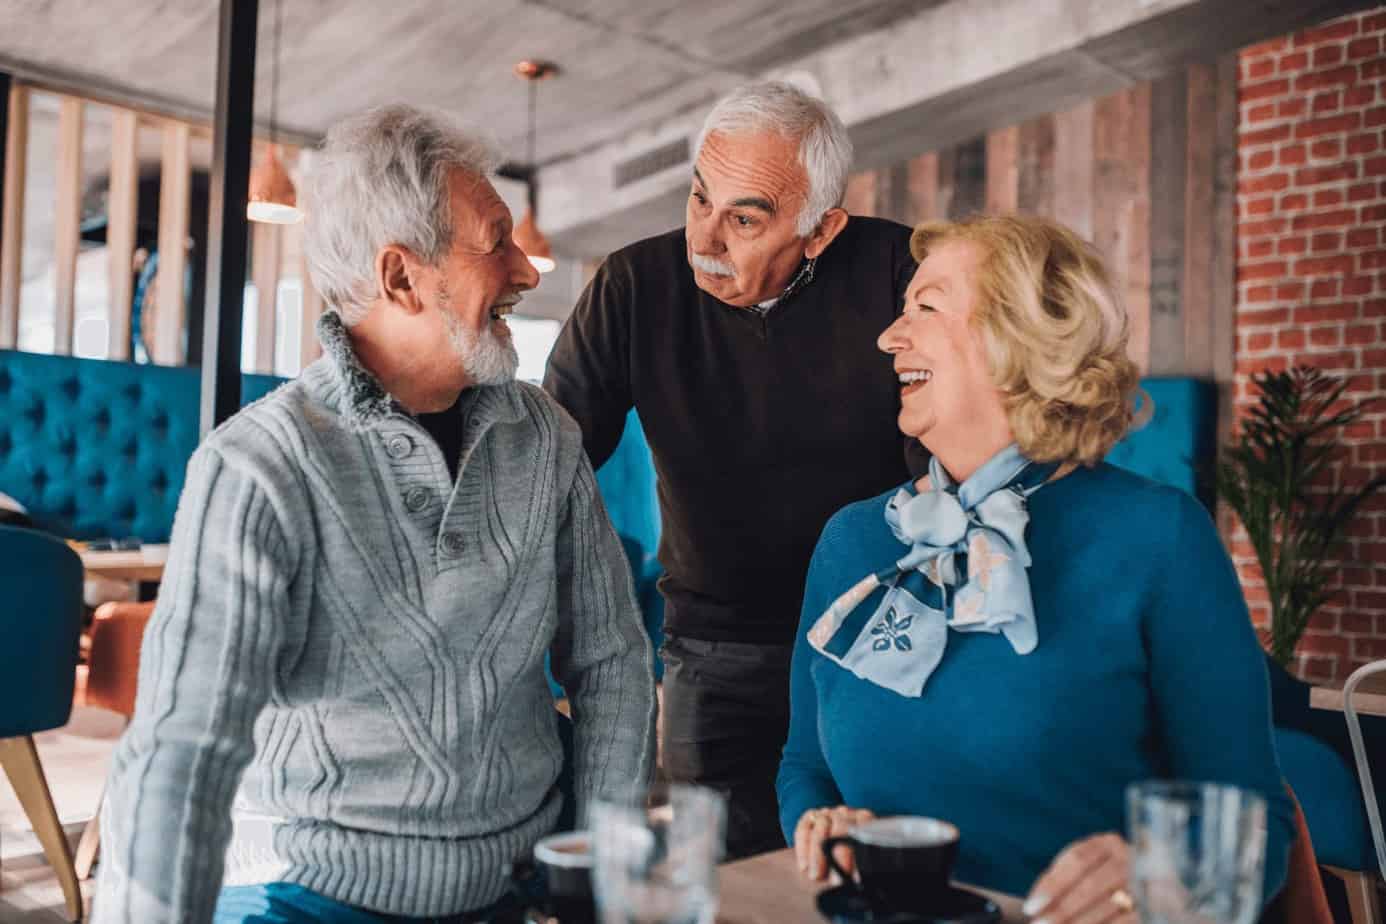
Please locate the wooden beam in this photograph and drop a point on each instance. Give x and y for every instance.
(6, 82)
(892, 192)
(1223, 269)
(969, 179)
(1121, 204)
(1170, 137)
(12, 215)
(264, 272)
(923, 189)
(174, 191)
(860, 198)
(1224, 264)
(67, 221)
(1200, 109)
(1035, 184)
(1073, 168)
(122, 202)
(1003, 173)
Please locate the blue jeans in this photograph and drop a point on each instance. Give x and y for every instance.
(286, 903)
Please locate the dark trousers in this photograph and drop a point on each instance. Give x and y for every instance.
(726, 716)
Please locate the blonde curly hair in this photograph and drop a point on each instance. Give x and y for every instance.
(1054, 332)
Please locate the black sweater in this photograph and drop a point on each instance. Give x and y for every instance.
(761, 427)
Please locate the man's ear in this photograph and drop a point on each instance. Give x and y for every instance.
(829, 227)
(396, 275)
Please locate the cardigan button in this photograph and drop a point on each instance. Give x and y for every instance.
(416, 499)
(453, 543)
(399, 446)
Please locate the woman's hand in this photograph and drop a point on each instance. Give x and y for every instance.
(1086, 883)
(816, 826)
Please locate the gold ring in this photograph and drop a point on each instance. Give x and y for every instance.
(1122, 899)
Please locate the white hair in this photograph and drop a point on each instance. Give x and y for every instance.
(382, 177)
(825, 151)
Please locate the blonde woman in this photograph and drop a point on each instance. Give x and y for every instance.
(1011, 640)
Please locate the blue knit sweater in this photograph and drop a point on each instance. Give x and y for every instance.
(1147, 666)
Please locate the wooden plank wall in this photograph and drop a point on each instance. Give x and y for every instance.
(122, 206)
(67, 221)
(16, 143)
(1134, 172)
(277, 251)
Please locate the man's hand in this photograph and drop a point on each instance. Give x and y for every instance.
(1085, 883)
(816, 826)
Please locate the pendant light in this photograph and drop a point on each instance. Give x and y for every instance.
(527, 234)
(272, 195)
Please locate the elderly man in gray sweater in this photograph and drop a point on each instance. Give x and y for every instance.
(342, 712)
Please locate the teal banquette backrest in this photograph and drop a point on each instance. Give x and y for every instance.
(97, 449)
(1178, 443)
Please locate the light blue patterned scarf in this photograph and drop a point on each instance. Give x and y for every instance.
(965, 570)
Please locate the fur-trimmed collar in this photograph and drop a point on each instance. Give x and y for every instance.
(365, 402)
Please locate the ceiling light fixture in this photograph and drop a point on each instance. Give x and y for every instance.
(527, 234)
(272, 195)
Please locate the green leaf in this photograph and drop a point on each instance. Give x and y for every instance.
(1270, 476)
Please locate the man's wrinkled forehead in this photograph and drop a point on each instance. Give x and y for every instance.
(476, 202)
(745, 165)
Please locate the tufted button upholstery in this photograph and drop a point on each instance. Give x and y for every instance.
(96, 449)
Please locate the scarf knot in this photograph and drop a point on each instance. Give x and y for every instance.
(965, 569)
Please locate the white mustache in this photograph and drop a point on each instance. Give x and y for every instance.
(711, 266)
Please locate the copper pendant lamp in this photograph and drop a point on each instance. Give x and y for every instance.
(527, 234)
(272, 197)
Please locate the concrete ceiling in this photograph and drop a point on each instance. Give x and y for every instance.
(624, 62)
(906, 75)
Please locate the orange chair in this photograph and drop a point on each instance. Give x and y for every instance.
(113, 663)
(1302, 899)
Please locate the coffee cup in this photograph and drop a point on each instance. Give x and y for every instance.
(565, 863)
(903, 863)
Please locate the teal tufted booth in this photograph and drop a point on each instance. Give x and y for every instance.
(1179, 443)
(98, 449)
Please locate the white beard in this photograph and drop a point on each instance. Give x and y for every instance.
(488, 358)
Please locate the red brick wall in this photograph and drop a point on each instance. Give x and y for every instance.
(1311, 282)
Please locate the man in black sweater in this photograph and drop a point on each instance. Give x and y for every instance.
(747, 343)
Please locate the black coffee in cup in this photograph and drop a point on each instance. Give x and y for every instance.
(565, 862)
(903, 863)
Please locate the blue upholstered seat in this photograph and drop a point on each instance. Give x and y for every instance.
(627, 483)
(41, 585)
(1179, 442)
(98, 449)
(1331, 798)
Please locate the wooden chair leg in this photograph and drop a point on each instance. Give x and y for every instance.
(20, 761)
(90, 844)
(1364, 904)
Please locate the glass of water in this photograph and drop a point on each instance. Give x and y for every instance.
(655, 855)
(1197, 852)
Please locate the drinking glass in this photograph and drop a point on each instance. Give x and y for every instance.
(1197, 851)
(655, 855)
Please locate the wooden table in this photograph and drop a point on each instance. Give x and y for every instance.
(1370, 698)
(144, 564)
(768, 889)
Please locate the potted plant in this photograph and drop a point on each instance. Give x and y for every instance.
(1275, 476)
